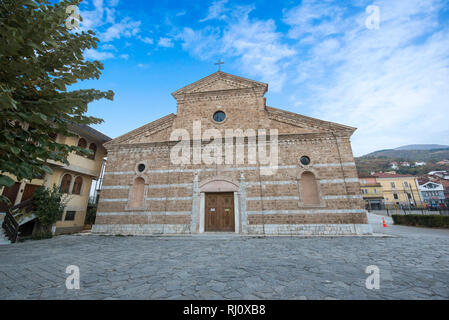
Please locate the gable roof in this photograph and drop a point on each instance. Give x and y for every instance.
(148, 128)
(438, 186)
(91, 133)
(221, 81)
(301, 121)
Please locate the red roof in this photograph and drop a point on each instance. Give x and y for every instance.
(391, 175)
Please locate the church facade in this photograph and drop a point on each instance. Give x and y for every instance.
(227, 162)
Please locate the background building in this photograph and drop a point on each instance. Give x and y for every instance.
(372, 192)
(399, 190)
(432, 194)
(74, 179)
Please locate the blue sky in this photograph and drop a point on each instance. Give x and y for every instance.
(318, 57)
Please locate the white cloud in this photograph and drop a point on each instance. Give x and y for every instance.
(165, 42)
(256, 45)
(391, 83)
(146, 40)
(113, 3)
(97, 55)
(216, 11)
(102, 19)
(126, 28)
(109, 47)
(124, 56)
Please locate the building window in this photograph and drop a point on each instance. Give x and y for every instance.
(409, 196)
(395, 196)
(305, 160)
(82, 143)
(77, 185)
(393, 185)
(65, 183)
(53, 136)
(70, 215)
(93, 148)
(375, 191)
(309, 189)
(219, 116)
(406, 184)
(137, 194)
(141, 167)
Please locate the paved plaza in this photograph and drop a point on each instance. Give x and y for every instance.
(413, 264)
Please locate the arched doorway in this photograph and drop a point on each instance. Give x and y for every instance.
(219, 207)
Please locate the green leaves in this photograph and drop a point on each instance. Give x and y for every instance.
(6, 181)
(14, 149)
(39, 60)
(50, 204)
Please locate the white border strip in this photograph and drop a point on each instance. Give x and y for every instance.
(342, 197)
(349, 180)
(311, 211)
(272, 198)
(318, 165)
(311, 229)
(145, 213)
(113, 200)
(168, 186)
(288, 182)
(255, 184)
(168, 198)
(330, 197)
(151, 186)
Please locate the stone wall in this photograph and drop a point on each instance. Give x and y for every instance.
(173, 194)
(267, 203)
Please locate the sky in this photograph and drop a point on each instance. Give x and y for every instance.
(380, 66)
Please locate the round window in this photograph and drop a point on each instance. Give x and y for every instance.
(305, 160)
(141, 167)
(219, 116)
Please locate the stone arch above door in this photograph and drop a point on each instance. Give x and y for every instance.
(218, 184)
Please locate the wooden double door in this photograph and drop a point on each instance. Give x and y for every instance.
(219, 212)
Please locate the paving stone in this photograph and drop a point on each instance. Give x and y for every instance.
(413, 265)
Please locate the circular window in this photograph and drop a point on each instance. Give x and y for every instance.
(219, 116)
(305, 160)
(141, 167)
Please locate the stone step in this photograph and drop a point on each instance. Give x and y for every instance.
(3, 238)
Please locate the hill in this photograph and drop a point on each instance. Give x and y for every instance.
(422, 147)
(380, 160)
(433, 155)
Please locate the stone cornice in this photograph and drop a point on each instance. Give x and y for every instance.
(304, 121)
(221, 95)
(149, 128)
(282, 140)
(218, 85)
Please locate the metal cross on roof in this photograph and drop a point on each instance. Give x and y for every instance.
(219, 63)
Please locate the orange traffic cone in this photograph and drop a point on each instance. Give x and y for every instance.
(384, 223)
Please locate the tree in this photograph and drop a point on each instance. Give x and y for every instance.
(39, 58)
(49, 204)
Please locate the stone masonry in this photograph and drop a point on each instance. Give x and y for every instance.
(173, 195)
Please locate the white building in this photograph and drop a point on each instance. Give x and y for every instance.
(432, 193)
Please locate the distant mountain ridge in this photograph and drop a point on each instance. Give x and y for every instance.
(381, 160)
(414, 152)
(422, 147)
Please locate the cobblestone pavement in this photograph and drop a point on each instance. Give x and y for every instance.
(414, 264)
